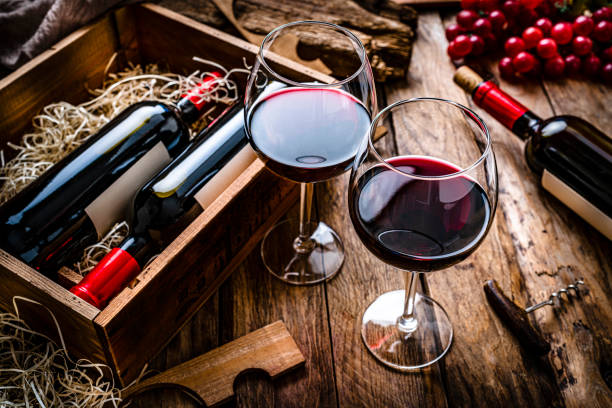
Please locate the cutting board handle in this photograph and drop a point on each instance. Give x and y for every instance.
(209, 378)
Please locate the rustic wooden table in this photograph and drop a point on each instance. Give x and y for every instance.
(535, 245)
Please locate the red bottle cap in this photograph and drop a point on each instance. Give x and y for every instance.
(195, 95)
(107, 279)
(499, 104)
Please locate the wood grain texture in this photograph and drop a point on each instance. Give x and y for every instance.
(251, 298)
(485, 365)
(361, 380)
(387, 41)
(73, 315)
(211, 376)
(36, 84)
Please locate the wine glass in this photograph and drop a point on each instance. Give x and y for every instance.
(308, 131)
(425, 206)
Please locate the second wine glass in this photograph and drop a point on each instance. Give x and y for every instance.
(423, 206)
(308, 131)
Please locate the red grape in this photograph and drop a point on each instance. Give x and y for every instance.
(591, 65)
(572, 64)
(478, 44)
(532, 37)
(452, 31)
(450, 50)
(536, 71)
(462, 45)
(528, 17)
(523, 62)
(606, 72)
(547, 48)
(506, 69)
(466, 18)
(487, 5)
(583, 25)
(582, 45)
(544, 24)
(544, 9)
(511, 8)
(604, 13)
(554, 67)
(529, 4)
(603, 31)
(469, 4)
(490, 41)
(482, 26)
(514, 45)
(498, 20)
(606, 54)
(562, 33)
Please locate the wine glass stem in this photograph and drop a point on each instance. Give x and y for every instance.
(407, 322)
(303, 244)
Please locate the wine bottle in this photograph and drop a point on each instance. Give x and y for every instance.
(76, 201)
(572, 158)
(170, 201)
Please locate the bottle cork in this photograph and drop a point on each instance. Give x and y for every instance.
(467, 79)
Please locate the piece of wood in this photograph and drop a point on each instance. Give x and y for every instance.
(484, 366)
(516, 319)
(285, 45)
(360, 379)
(388, 41)
(199, 335)
(552, 246)
(53, 303)
(34, 85)
(252, 297)
(211, 376)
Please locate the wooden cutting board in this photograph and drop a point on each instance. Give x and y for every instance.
(210, 377)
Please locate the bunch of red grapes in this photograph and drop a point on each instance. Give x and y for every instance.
(536, 37)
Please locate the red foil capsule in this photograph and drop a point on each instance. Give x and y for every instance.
(109, 276)
(195, 95)
(499, 104)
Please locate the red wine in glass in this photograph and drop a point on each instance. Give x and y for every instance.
(417, 224)
(308, 134)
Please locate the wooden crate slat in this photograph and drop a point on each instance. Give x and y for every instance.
(85, 54)
(74, 316)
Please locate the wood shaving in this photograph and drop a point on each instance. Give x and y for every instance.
(36, 372)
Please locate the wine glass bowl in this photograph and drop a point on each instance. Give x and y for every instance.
(307, 131)
(423, 207)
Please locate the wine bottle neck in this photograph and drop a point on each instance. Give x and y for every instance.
(191, 105)
(120, 266)
(506, 109)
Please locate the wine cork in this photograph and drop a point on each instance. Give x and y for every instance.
(467, 79)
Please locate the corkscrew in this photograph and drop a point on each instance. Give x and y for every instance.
(556, 295)
(516, 317)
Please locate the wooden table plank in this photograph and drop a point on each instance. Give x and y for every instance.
(362, 381)
(198, 336)
(252, 298)
(485, 366)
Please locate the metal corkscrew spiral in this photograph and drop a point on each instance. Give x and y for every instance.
(557, 295)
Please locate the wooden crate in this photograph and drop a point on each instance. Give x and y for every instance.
(140, 320)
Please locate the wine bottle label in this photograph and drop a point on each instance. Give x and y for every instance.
(225, 176)
(578, 204)
(111, 206)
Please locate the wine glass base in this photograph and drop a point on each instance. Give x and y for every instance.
(320, 264)
(428, 343)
